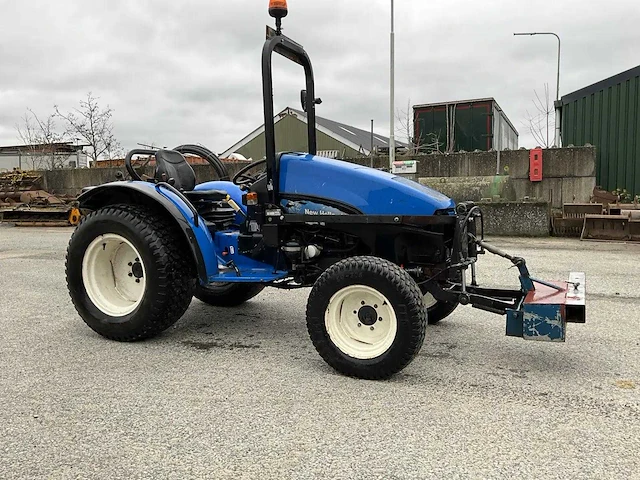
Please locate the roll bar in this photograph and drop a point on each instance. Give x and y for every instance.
(287, 48)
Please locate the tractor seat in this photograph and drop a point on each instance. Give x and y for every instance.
(172, 164)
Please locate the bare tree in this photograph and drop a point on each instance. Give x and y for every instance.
(451, 128)
(94, 126)
(41, 139)
(406, 130)
(542, 121)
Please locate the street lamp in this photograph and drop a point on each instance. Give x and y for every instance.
(392, 140)
(557, 137)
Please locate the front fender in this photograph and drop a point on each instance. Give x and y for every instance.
(197, 237)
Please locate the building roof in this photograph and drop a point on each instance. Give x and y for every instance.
(353, 137)
(455, 102)
(601, 85)
(60, 147)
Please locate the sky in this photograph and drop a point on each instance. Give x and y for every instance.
(188, 71)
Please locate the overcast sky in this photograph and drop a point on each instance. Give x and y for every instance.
(189, 71)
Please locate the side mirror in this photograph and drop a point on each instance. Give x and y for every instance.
(303, 100)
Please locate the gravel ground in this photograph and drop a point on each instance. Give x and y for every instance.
(242, 393)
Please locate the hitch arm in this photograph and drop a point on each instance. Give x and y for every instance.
(525, 278)
(496, 251)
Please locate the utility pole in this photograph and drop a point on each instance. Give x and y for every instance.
(558, 140)
(392, 140)
(371, 151)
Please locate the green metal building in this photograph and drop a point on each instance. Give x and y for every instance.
(335, 140)
(607, 115)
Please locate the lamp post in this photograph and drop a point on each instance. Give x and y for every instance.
(557, 108)
(392, 140)
(77, 153)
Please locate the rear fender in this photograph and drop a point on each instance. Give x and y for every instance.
(197, 237)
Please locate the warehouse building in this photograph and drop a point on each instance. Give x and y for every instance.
(607, 115)
(43, 157)
(335, 140)
(468, 125)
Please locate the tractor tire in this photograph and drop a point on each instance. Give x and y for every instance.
(129, 272)
(366, 317)
(228, 294)
(437, 310)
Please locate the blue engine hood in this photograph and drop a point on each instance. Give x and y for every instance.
(371, 191)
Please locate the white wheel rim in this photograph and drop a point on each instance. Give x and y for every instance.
(113, 274)
(361, 322)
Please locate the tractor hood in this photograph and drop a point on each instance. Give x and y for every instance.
(372, 192)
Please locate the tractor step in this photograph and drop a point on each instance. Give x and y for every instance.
(545, 311)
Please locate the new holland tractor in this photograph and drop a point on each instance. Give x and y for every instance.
(383, 255)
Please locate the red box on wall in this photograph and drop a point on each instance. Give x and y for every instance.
(535, 165)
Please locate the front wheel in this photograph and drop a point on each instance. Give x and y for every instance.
(128, 272)
(436, 309)
(366, 317)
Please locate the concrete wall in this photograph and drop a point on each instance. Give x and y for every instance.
(472, 188)
(520, 219)
(569, 174)
(72, 181)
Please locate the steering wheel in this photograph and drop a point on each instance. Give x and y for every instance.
(243, 178)
(127, 162)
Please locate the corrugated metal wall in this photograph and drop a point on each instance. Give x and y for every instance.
(607, 115)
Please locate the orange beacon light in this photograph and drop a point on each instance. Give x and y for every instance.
(278, 8)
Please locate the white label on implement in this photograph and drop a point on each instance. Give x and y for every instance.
(577, 290)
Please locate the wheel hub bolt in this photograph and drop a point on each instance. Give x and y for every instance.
(359, 325)
(372, 328)
(375, 306)
(136, 270)
(137, 280)
(130, 264)
(130, 274)
(380, 319)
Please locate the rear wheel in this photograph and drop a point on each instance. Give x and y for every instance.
(128, 272)
(228, 294)
(366, 318)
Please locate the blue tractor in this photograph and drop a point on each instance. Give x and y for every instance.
(384, 255)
